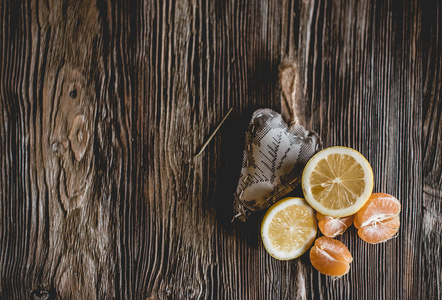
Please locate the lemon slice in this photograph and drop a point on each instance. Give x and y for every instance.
(288, 228)
(337, 181)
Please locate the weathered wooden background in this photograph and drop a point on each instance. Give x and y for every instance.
(104, 104)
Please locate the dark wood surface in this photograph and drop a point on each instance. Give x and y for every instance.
(104, 104)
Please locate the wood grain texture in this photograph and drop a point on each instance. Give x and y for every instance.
(104, 104)
(431, 226)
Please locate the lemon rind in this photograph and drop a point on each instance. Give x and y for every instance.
(277, 207)
(361, 200)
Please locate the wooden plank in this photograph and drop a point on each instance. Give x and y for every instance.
(431, 226)
(104, 104)
(363, 77)
(66, 131)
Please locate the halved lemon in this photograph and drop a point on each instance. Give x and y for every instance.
(288, 228)
(337, 181)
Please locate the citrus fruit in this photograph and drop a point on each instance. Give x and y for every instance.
(337, 181)
(330, 257)
(288, 228)
(333, 226)
(378, 220)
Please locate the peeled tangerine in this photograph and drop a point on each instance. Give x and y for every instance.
(330, 257)
(333, 226)
(378, 219)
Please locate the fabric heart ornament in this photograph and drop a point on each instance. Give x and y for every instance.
(275, 153)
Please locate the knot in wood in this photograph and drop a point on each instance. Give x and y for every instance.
(68, 120)
(79, 136)
(41, 295)
(57, 148)
(73, 93)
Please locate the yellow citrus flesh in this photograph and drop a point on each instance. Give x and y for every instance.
(337, 181)
(288, 228)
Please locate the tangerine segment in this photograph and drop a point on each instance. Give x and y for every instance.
(330, 257)
(378, 220)
(333, 226)
(383, 231)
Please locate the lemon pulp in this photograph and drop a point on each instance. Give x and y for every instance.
(288, 228)
(337, 181)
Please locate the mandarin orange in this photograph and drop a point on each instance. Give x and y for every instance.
(330, 257)
(378, 220)
(333, 226)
